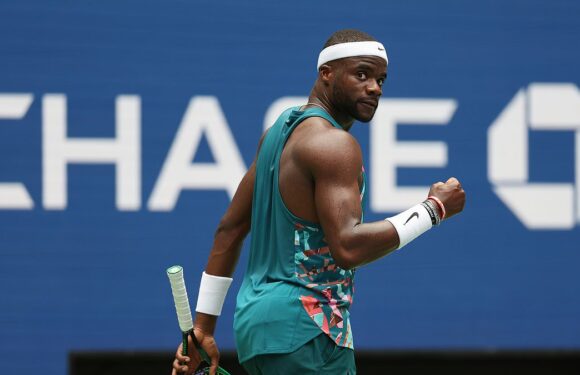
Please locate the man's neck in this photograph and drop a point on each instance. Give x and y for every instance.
(320, 101)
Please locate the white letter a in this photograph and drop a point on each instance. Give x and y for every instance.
(203, 116)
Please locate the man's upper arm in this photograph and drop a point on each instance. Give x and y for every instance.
(234, 226)
(239, 212)
(335, 162)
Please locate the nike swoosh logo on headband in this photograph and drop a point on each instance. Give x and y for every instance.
(414, 214)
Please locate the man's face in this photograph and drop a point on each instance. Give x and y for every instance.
(357, 85)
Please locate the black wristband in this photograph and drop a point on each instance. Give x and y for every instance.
(432, 213)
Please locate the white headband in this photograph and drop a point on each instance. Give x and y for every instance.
(351, 49)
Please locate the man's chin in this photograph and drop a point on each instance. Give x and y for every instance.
(365, 112)
(365, 117)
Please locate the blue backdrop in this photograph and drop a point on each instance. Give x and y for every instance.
(83, 257)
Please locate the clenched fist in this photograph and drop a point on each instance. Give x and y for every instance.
(451, 195)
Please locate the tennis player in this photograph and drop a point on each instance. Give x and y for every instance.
(302, 201)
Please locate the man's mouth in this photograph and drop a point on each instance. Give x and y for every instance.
(370, 103)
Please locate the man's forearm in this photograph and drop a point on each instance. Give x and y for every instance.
(366, 243)
(226, 249)
(222, 261)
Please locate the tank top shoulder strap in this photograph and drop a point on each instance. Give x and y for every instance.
(297, 116)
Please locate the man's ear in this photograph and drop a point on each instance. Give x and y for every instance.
(326, 73)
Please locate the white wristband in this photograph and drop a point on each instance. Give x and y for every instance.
(411, 224)
(212, 293)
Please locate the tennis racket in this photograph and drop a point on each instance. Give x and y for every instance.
(175, 274)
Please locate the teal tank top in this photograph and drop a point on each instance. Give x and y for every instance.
(292, 289)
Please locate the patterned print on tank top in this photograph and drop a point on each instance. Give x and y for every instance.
(331, 287)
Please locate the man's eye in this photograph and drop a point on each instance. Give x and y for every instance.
(362, 75)
(381, 81)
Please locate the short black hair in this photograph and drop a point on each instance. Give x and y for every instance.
(347, 36)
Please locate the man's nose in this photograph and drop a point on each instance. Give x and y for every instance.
(373, 88)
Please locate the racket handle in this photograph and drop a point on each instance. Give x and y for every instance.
(184, 347)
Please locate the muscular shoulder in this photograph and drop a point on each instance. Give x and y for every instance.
(324, 149)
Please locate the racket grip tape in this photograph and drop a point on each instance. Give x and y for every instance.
(185, 345)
